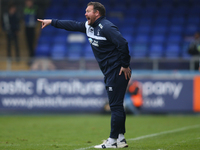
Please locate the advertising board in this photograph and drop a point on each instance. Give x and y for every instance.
(68, 94)
(75, 94)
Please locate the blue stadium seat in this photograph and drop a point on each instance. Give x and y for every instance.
(190, 29)
(151, 1)
(42, 50)
(62, 33)
(70, 10)
(168, 2)
(50, 31)
(142, 38)
(174, 38)
(195, 10)
(115, 20)
(66, 17)
(75, 50)
(158, 38)
(160, 29)
(161, 19)
(128, 37)
(139, 50)
(149, 11)
(45, 39)
(176, 29)
(196, 2)
(184, 2)
(145, 21)
(172, 51)
(164, 10)
(178, 19)
(132, 11)
(88, 53)
(128, 29)
(180, 10)
(136, 4)
(193, 19)
(74, 2)
(58, 51)
(51, 15)
(144, 29)
(54, 9)
(60, 39)
(119, 7)
(130, 20)
(156, 50)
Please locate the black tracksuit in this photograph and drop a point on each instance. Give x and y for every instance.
(10, 24)
(111, 52)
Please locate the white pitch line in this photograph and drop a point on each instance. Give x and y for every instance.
(153, 135)
(85, 148)
(164, 132)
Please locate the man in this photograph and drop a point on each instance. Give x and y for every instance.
(11, 26)
(112, 54)
(194, 49)
(30, 20)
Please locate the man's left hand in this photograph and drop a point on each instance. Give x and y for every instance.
(127, 72)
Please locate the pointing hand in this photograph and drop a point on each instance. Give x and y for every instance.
(45, 22)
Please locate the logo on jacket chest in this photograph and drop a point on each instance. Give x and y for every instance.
(93, 42)
(91, 30)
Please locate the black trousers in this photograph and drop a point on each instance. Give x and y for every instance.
(30, 38)
(116, 86)
(12, 37)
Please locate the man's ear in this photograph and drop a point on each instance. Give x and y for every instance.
(97, 13)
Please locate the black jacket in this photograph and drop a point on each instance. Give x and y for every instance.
(10, 23)
(109, 47)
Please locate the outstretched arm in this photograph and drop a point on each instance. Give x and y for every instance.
(45, 22)
(68, 25)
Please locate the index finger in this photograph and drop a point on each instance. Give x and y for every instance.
(39, 20)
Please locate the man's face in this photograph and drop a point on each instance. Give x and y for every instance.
(90, 15)
(12, 10)
(29, 3)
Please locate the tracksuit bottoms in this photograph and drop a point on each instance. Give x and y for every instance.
(116, 86)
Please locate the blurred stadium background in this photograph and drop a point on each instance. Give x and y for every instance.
(158, 32)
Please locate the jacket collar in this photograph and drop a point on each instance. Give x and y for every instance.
(98, 21)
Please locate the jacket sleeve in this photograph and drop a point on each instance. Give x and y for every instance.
(112, 34)
(69, 25)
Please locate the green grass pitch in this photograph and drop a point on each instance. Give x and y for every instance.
(81, 132)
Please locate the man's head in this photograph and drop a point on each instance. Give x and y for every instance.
(29, 3)
(12, 9)
(94, 10)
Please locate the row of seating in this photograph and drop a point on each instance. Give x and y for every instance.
(129, 3)
(153, 28)
(137, 50)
